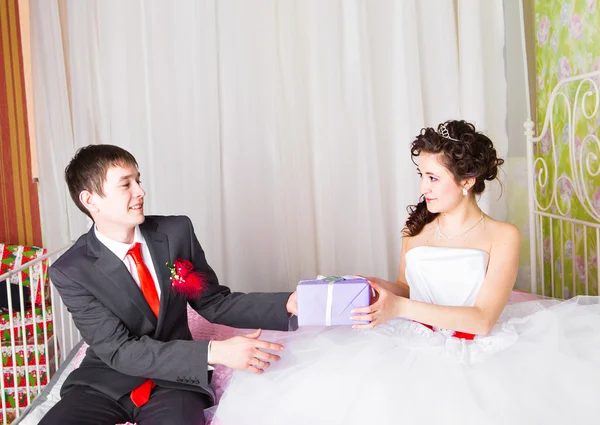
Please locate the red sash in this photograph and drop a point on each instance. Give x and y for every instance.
(456, 334)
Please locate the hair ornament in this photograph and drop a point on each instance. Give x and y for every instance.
(443, 131)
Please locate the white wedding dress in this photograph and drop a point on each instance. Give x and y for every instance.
(539, 365)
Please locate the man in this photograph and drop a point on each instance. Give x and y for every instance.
(142, 365)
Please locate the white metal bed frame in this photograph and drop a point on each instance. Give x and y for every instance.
(548, 177)
(65, 334)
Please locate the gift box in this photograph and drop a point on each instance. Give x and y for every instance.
(8, 332)
(18, 378)
(328, 301)
(20, 396)
(11, 398)
(11, 415)
(29, 355)
(32, 375)
(36, 276)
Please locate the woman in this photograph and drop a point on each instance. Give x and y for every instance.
(443, 346)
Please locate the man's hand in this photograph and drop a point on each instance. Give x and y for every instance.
(244, 353)
(292, 305)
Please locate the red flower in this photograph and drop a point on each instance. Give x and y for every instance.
(183, 268)
(185, 280)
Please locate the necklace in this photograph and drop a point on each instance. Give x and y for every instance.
(437, 233)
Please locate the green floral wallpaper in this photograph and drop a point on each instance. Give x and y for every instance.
(568, 44)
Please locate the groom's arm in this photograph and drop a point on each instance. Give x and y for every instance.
(130, 354)
(219, 305)
(250, 311)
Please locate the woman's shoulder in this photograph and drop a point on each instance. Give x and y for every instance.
(501, 231)
(408, 238)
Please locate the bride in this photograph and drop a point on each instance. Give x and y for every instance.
(443, 346)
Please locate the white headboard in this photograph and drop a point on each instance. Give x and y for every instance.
(564, 191)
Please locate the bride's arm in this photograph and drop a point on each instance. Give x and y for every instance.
(479, 319)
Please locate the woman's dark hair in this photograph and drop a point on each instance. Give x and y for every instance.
(465, 152)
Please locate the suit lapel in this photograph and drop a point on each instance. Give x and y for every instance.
(158, 245)
(115, 272)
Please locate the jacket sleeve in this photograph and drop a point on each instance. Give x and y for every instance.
(219, 305)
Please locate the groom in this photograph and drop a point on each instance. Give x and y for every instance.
(142, 365)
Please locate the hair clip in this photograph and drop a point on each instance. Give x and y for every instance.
(443, 131)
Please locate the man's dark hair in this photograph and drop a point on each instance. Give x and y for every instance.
(87, 170)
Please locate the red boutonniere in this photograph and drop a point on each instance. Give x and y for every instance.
(185, 280)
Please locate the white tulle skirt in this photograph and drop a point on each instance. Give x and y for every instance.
(539, 365)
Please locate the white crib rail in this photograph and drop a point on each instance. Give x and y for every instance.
(62, 340)
(581, 99)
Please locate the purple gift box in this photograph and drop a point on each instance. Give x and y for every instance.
(329, 301)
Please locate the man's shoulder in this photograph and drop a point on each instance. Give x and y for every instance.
(76, 254)
(168, 218)
(167, 223)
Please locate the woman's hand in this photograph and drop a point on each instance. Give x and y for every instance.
(396, 288)
(386, 306)
(393, 287)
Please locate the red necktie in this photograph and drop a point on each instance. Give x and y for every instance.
(141, 394)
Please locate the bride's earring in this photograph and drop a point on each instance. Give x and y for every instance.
(465, 191)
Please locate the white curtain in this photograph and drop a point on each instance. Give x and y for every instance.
(280, 127)
(61, 220)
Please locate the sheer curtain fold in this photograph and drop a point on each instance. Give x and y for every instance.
(483, 82)
(61, 220)
(280, 127)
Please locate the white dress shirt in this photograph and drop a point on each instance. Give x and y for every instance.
(120, 249)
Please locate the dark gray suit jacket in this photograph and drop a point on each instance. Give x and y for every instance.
(127, 342)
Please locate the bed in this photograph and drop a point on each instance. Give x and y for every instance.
(201, 329)
(564, 230)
